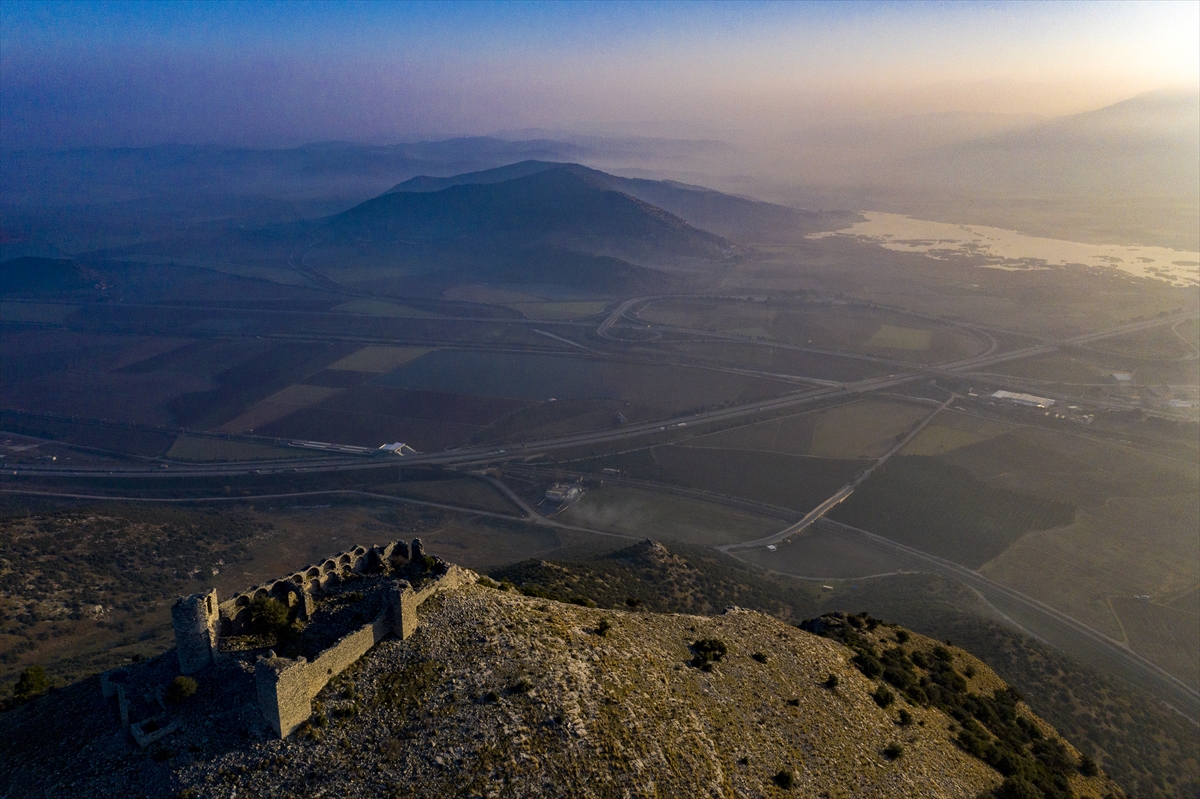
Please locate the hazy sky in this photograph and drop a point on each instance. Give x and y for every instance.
(279, 74)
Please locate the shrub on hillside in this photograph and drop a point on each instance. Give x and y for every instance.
(707, 652)
(180, 689)
(31, 684)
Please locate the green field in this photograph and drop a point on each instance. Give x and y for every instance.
(277, 406)
(372, 307)
(556, 311)
(379, 359)
(951, 431)
(900, 338)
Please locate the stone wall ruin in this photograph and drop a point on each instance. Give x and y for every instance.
(285, 687)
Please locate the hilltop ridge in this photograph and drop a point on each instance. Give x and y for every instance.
(496, 693)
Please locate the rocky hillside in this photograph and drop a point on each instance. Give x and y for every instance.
(503, 694)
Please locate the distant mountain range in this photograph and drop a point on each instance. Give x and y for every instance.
(738, 218)
(1147, 145)
(530, 223)
(564, 228)
(1126, 173)
(566, 206)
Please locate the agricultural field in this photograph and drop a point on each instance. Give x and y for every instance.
(1077, 522)
(464, 491)
(558, 311)
(1091, 370)
(944, 510)
(860, 429)
(1073, 468)
(372, 415)
(826, 552)
(826, 326)
(81, 374)
(536, 377)
(379, 359)
(1165, 635)
(207, 450)
(797, 483)
(488, 295)
(890, 337)
(373, 307)
(1158, 344)
(156, 381)
(952, 430)
(777, 360)
(1128, 546)
(277, 406)
(664, 517)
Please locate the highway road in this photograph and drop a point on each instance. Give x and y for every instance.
(842, 494)
(479, 455)
(1054, 627)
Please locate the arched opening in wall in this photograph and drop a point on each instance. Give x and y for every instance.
(242, 601)
(344, 559)
(329, 566)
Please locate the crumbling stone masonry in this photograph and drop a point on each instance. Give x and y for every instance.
(285, 687)
(195, 620)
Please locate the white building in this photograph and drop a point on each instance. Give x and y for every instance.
(1027, 400)
(562, 493)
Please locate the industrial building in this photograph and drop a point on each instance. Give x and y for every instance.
(563, 493)
(1028, 400)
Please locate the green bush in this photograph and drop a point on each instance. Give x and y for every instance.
(832, 681)
(603, 627)
(906, 718)
(883, 697)
(784, 778)
(31, 684)
(267, 616)
(708, 651)
(893, 751)
(180, 689)
(868, 663)
(760, 657)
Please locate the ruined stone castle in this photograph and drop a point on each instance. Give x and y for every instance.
(336, 611)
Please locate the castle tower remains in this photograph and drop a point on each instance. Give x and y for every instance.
(195, 619)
